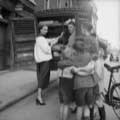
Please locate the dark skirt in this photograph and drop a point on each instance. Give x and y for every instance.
(43, 74)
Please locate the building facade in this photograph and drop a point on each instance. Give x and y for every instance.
(84, 7)
(10, 9)
(53, 4)
(17, 30)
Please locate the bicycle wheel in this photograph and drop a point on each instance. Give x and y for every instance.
(115, 98)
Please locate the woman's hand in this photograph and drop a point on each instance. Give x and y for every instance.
(54, 41)
(61, 35)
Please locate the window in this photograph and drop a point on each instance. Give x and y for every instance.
(47, 4)
(68, 3)
(71, 4)
(64, 3)
(59, 3)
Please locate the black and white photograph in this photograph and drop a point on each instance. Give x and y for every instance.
(59, 59)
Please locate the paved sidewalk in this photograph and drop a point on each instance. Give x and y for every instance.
(16, 85)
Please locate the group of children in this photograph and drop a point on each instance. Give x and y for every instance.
(81, 73)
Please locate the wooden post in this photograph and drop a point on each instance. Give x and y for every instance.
(12, 56)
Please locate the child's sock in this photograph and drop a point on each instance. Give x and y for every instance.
(102, 113)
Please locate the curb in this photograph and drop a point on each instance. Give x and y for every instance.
(13, 102)
(9, 104)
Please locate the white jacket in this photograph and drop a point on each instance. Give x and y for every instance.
(42, 50)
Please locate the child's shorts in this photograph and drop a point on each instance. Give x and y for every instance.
(66, 94)
(84, 96)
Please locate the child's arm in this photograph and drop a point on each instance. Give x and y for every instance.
(99, 69)
(64, 63)
(86, 70)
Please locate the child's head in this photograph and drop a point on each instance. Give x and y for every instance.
(79, 44)
(91, 44)
(86, 43)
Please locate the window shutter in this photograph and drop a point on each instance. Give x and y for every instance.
(23, 41)
(23, 27)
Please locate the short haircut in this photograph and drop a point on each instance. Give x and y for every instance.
(88, 43)
(41, 26)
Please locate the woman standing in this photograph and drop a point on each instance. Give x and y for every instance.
(43, 55)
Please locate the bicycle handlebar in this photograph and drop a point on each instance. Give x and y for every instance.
(110, 68)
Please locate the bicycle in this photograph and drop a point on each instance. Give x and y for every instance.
(112, 96)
